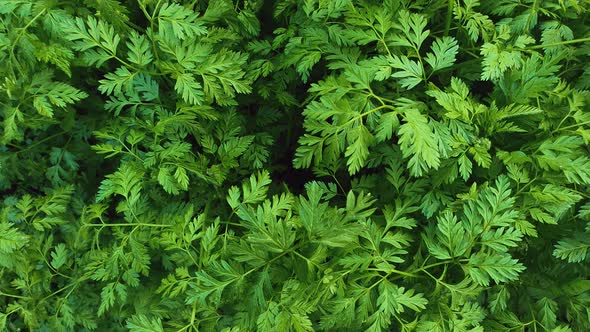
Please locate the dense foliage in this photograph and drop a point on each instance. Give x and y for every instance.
(295, 165)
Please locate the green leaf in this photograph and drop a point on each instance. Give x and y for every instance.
(167, 181)
(98, 34)
(542, 216)
(113, 12)
(255, 190)
(182, 178)
(179, 21)
(443, 53)
(480, 152)
(477, 24)
(359, 207)
(535, 78)
(107, 298)
(465, 166)
(143, 323)
(394, 300)
(117, 82)
(498, 267)
(499, 299)
(413, 28)
(11, 129)
(56, 54)
(223, 76)
(140, 52)
(451, 234)
(306, 63)
(388, 123)
(189, 89)
(497, 61)
(546, 312)
(418, 142)
(357, 152)
(126, 181)
(59, 256)
(411, 72)
(59, 95)
(573, 250)
(11, 239)
(501, 239)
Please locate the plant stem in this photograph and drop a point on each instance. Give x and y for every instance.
(567, 42)
(127, 225)
(450, 9)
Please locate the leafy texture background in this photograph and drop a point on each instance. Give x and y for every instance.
(294, 165)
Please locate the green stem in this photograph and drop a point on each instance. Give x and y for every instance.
(40, 142)
(129, 150)
(567, 42)
(519, 191)
(423, 268)
(14, 296)
(144, 10)
(126, 225)
(362, 115)
(571, 126)
(20, 34)
(59, 291)
(450, 9)
(51, 267)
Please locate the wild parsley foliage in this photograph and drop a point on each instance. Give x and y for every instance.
(295, 165)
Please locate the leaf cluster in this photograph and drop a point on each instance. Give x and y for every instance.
(294, 165)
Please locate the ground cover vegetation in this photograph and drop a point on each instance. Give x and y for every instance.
(294, 165)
